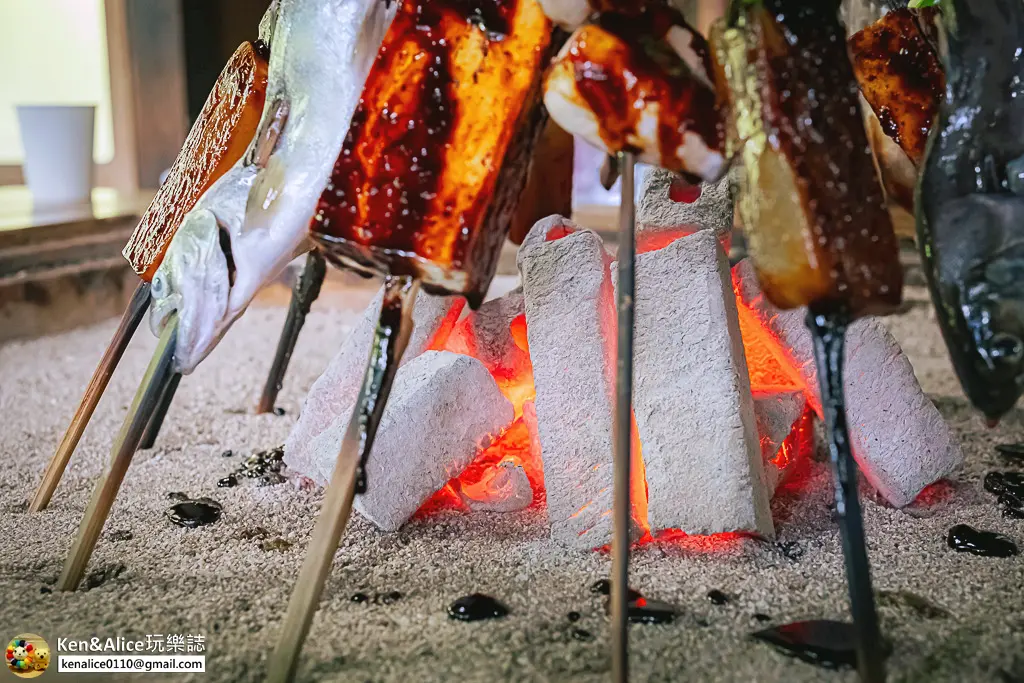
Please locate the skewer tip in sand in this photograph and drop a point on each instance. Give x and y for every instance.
(828, 328)
(390, 340)
(623, 425)
(154, 384)
(133, 315)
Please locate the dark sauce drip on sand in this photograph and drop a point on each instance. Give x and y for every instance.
(194, 513)
(717, 597)
(476, 607)
(644, 611)
(604, 587)
(385, 355)
(1009, 487)
(1012, 451)
(265, 466)
(966, 539)
(828, 328)
(824, 643)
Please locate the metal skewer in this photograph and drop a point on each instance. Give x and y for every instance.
(133, 315)
(829, 332)
(623, 427)
(305, 292)
(389, 344)
(153, 386)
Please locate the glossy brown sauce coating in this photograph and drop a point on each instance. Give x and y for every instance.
(219, 137)
(901, 78)
(623, 66)
(846, 249)
(411, 188)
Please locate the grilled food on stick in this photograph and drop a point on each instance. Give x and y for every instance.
(253, 221)
(437, 153)
(971, 201)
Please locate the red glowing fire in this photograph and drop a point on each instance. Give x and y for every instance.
(770, 372)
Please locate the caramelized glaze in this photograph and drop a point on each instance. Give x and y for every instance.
(412, 187)
(625, 72)
(219, 138)
(901, 78)
(810, 197)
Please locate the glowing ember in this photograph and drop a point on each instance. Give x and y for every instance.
(770, 372)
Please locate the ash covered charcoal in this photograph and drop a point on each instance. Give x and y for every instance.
(570, 327)
(444, 407)
(692, 401)
(486, 335)
(668, 210)
(504, 487)
(778, 413)
(898, 435)
(332, 398)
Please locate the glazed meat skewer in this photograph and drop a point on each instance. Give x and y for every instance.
(815, 217)
(423, 193)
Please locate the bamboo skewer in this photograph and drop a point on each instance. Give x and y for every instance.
(133, 315)
(154, 384)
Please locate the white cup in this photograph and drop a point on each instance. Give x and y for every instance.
(58, 142)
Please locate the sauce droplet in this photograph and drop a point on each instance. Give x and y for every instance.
(359, 598)
(194, 513)
(582, 634)
(573, 616)
(227, 482)
(717, 597)
(475, 607)
(824, 643)
(604, 587)
(966, 539)
(1011, 451)
(644, 611)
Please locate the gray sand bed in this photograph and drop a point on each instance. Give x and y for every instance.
(219, 582)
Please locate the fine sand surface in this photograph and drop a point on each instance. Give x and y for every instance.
(151, 577)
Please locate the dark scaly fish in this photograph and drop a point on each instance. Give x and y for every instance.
(971, 201)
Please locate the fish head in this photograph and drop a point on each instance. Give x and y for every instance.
(193, 282)
(980, 287)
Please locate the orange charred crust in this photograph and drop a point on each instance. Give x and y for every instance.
(218, 139)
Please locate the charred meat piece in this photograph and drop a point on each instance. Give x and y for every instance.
(438, 149)
(971, 201)
(621, 84)
(218, 139)
(900, 76)
(810, 199)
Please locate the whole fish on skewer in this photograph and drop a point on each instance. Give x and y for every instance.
(248, 225)
(971, 201)
(219, 137)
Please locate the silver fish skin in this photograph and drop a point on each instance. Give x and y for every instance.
(970, 201)
(248, 225)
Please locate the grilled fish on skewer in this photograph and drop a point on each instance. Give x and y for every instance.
(218, 138)
(620, 85)
(253, 221)
(971, 202)
(431, 165)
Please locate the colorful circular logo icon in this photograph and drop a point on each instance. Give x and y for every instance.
(27, 655)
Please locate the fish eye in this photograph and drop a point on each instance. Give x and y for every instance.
(1006, 348)
(158, 288)
(1015, 176)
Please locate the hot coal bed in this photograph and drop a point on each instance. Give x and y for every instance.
(491, 485)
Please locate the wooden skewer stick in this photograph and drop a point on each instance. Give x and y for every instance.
(157, 421)
(623, 426)
(389, 344)
(305, 292)
(152, 387)
(133, 315)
